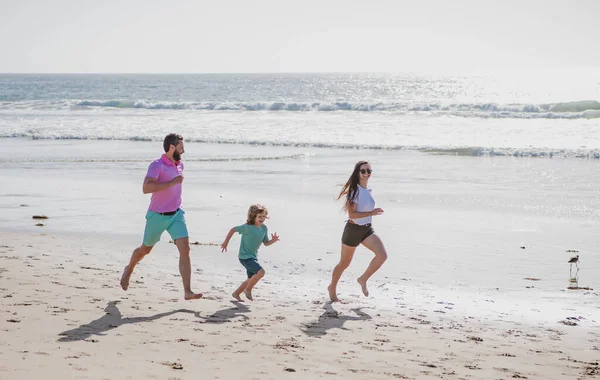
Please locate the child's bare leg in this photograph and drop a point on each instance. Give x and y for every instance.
(252, 281)
(137, 256)
(239, 290)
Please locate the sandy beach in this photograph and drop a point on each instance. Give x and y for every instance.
(64, 315)
(471, 127)
(488, 189)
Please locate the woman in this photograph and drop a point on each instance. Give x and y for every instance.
(360, 206)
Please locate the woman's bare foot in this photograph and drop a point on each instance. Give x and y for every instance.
(248, 294)
(125, 278)
(332, 295)
(192, 296)
(237, 297)
(363, 285)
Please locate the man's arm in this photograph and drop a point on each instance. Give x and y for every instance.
(151, 186)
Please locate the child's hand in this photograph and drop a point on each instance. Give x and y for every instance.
(224, 247)
(274, 237)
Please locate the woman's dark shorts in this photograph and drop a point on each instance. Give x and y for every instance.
(355, 234)
(252, 266)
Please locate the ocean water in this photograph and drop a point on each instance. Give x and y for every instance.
(484, 181)
(543, 114)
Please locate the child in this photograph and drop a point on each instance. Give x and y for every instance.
(254, 233)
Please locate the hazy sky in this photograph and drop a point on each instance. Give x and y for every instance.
(193, 36)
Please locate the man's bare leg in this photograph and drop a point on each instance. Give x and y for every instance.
(138, 254)
(239, 291)
(251, 282)
(185, 268)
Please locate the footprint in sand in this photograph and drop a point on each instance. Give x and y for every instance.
(173, 365)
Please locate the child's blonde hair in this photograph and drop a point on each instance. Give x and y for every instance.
(253, 211)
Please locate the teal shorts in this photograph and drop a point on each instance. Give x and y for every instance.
(156, 224)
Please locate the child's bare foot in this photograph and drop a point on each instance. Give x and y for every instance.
(192, 296)
(332, 296)
(237, 297)
(363, 285)
(248, 294)
(125, 278)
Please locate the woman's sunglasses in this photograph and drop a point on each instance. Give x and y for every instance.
(365, 171)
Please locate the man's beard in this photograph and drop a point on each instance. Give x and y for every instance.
(176, 156)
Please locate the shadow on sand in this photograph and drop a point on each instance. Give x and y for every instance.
(226, 315)
(111, 320)
(332, 319)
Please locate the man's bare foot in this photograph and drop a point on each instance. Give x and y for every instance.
(332, 296)
(237, 297)
(192, 296)
(248, 294)
(125, 278)
(363, 285)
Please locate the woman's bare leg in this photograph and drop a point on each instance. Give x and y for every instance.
(345, 260)
(374, 244)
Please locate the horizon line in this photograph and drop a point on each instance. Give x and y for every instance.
(203, 73)
(495, 71)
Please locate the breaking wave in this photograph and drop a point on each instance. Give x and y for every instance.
(589, 109)
(473, 151)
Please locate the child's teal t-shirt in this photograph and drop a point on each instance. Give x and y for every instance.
(252, 238)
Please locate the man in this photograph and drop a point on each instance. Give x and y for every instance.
(164, 180)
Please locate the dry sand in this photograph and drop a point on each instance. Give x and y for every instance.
(64, 315)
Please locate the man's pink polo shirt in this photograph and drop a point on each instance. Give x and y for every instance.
(165, 170)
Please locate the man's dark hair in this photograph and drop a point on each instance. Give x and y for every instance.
(171, 139)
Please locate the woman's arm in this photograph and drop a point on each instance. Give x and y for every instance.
(353, 214)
